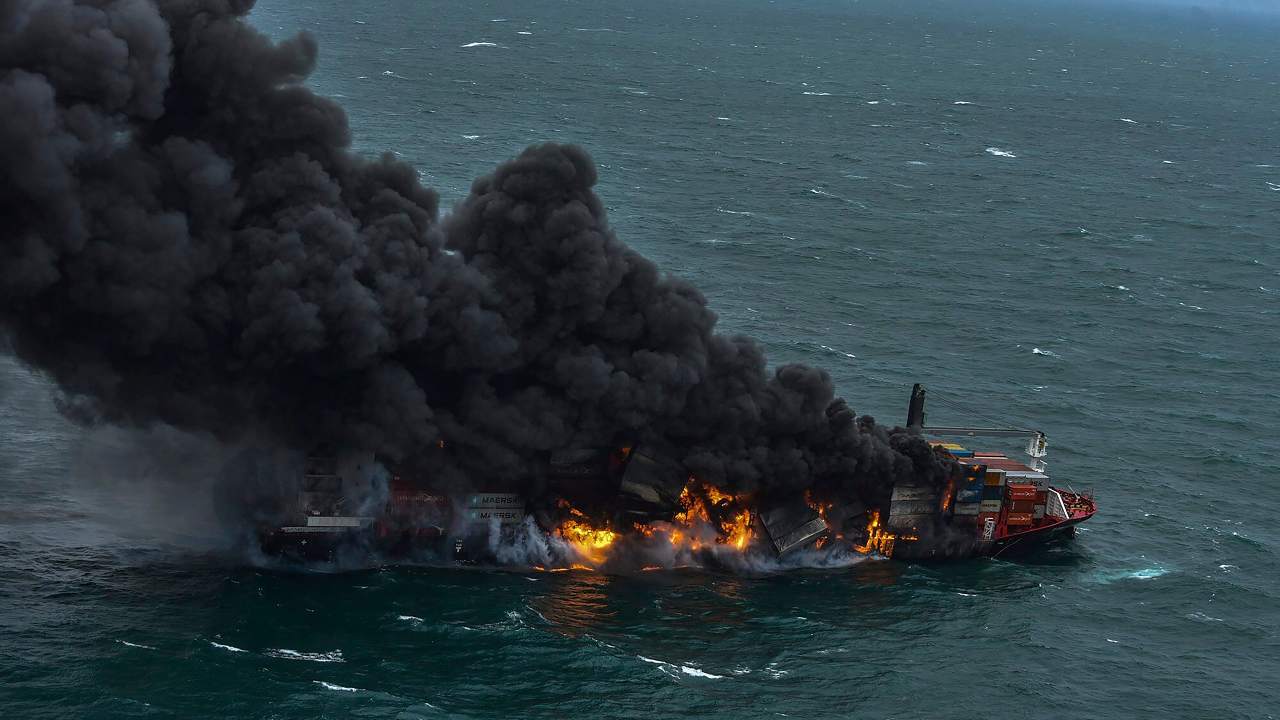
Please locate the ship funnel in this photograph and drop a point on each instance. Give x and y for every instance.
(915, 411)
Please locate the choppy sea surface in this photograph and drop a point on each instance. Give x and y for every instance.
(1057, 215)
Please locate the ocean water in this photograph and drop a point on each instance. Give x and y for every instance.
(1058, 215)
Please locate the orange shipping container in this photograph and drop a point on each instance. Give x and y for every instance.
(1022, 506)
(1018, 519)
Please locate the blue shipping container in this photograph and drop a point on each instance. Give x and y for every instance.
(992, 492)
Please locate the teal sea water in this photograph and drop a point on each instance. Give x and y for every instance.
(1058, 215)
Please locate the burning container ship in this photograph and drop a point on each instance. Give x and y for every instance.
(598, 501)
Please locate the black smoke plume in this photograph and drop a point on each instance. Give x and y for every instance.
(188, 238)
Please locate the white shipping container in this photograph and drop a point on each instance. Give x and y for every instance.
(991, 506)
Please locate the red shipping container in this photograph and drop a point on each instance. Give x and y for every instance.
(1042, 497)
(1018, 519)
(1022, 506)
(1022, 492)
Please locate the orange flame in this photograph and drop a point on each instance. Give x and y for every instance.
(737, 531)
(589, 542)
(879, 540)
(949, 495)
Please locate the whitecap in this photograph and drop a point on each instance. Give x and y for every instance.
(818, 94)
(334, 656)
(917, 162)
(603, 29)
(873, 102)
(686, 669)
(409, 618)
(479, 44)
(331, 686)
(135, 645)
(1127, 120)
(470, 137)
(724, 118)
(962, 102)
(695, 672)
(359, 22)
(1046, 353)
(1168, 162)
(1117, 642)
(523, 32)
(733, 212)
(228, 648)
(1000, 153)
(838, 352)
(1201, 617)
(1273, 186)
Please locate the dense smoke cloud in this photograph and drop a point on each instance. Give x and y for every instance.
(189, 239)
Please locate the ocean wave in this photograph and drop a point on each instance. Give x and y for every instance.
(1202, 617)
(333, 656)
(470, 137)
(816, 94)
(962, 102)
(1000, 153)
(331, 686)
(1046, 353)
(1127, 120)
(734, 212)
(672, 668)
(228, 648)
(479, 44)
(1147, 573)
(409, 618)
(135, 645)
(837, 352)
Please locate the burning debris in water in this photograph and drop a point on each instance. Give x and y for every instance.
(190, 240)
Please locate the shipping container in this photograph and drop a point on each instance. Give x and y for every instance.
(992, 492)
(1021, 492)
(967, 508)
(1018, 519)
(991, 506)
(987, 524)
(914, 492)
(961, 453)
(1040, 480)
(995, 477)
(1021, 506)
(915, 507)
(969, 494)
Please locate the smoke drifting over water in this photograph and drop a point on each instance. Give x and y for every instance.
(189, 240)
